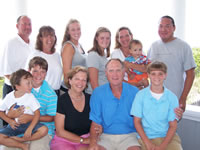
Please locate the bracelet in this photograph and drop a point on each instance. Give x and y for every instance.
(81, 140)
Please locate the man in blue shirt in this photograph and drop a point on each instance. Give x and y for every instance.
(110, 107)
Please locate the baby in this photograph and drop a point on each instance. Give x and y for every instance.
(136, 57)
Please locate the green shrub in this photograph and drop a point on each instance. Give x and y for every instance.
(1, 86)
(196, 54)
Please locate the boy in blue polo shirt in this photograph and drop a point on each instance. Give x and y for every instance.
(153, 111)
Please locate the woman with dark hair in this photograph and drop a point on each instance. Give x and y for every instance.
(45, 48)
(72, 52)
(122, 41)
(97, 58)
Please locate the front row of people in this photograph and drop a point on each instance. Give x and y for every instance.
(116, 116)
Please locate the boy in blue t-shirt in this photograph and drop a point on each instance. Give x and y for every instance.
(153, 111)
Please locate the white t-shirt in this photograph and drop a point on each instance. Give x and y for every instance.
(54, 72)
(15, 55)
(156, 95)
(28, 100)
(117, 53)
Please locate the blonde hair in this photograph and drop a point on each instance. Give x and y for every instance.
(73, 72)
(96, 46)
(67, 35)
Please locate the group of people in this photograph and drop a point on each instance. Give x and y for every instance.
(123, 100)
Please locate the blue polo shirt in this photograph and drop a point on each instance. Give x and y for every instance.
(155, 114)
(48, 102)
(113, 113)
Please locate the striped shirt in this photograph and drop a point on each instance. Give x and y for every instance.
(48, 102)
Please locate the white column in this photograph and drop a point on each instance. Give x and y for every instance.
(20, 8)
(179, 17)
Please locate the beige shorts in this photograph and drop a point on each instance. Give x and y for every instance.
(175, 143)
(118, 142)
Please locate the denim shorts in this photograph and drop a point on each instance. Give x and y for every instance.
(19, 130)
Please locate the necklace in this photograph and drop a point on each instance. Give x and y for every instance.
(78, 100)
(76, 97)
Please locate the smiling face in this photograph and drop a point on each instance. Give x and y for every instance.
(48, 41)
(39, 75)
(166, 30)
(136, 50)
(124, 38)
(157, 78)
(115, 73)
(78, 82)
(103, 40)
(24, 26)
(74, 31)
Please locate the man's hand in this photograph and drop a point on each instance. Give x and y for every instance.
(179, 112)
(93, 146)
(150, 146)
(98, 130)
(182, 103)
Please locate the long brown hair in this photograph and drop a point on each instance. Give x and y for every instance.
(96, 46)
(67, 35)
(45, 30)
(117, 44)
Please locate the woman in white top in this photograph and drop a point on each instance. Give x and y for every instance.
(45, 48)
(97, 58)
(72, 52)
(122, 40)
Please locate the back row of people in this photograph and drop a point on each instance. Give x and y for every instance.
(72, 54)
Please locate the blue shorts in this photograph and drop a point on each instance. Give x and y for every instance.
(20, 129)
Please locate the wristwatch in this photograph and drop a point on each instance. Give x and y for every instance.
(81, 140)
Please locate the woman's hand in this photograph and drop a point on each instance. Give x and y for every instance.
(86, 140)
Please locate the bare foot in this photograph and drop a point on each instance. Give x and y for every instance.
(26, 146)
(19, 139)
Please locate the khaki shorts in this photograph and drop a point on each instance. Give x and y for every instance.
(175, 143)
(118, 142)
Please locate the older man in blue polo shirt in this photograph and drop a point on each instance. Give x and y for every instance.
(110, 107)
